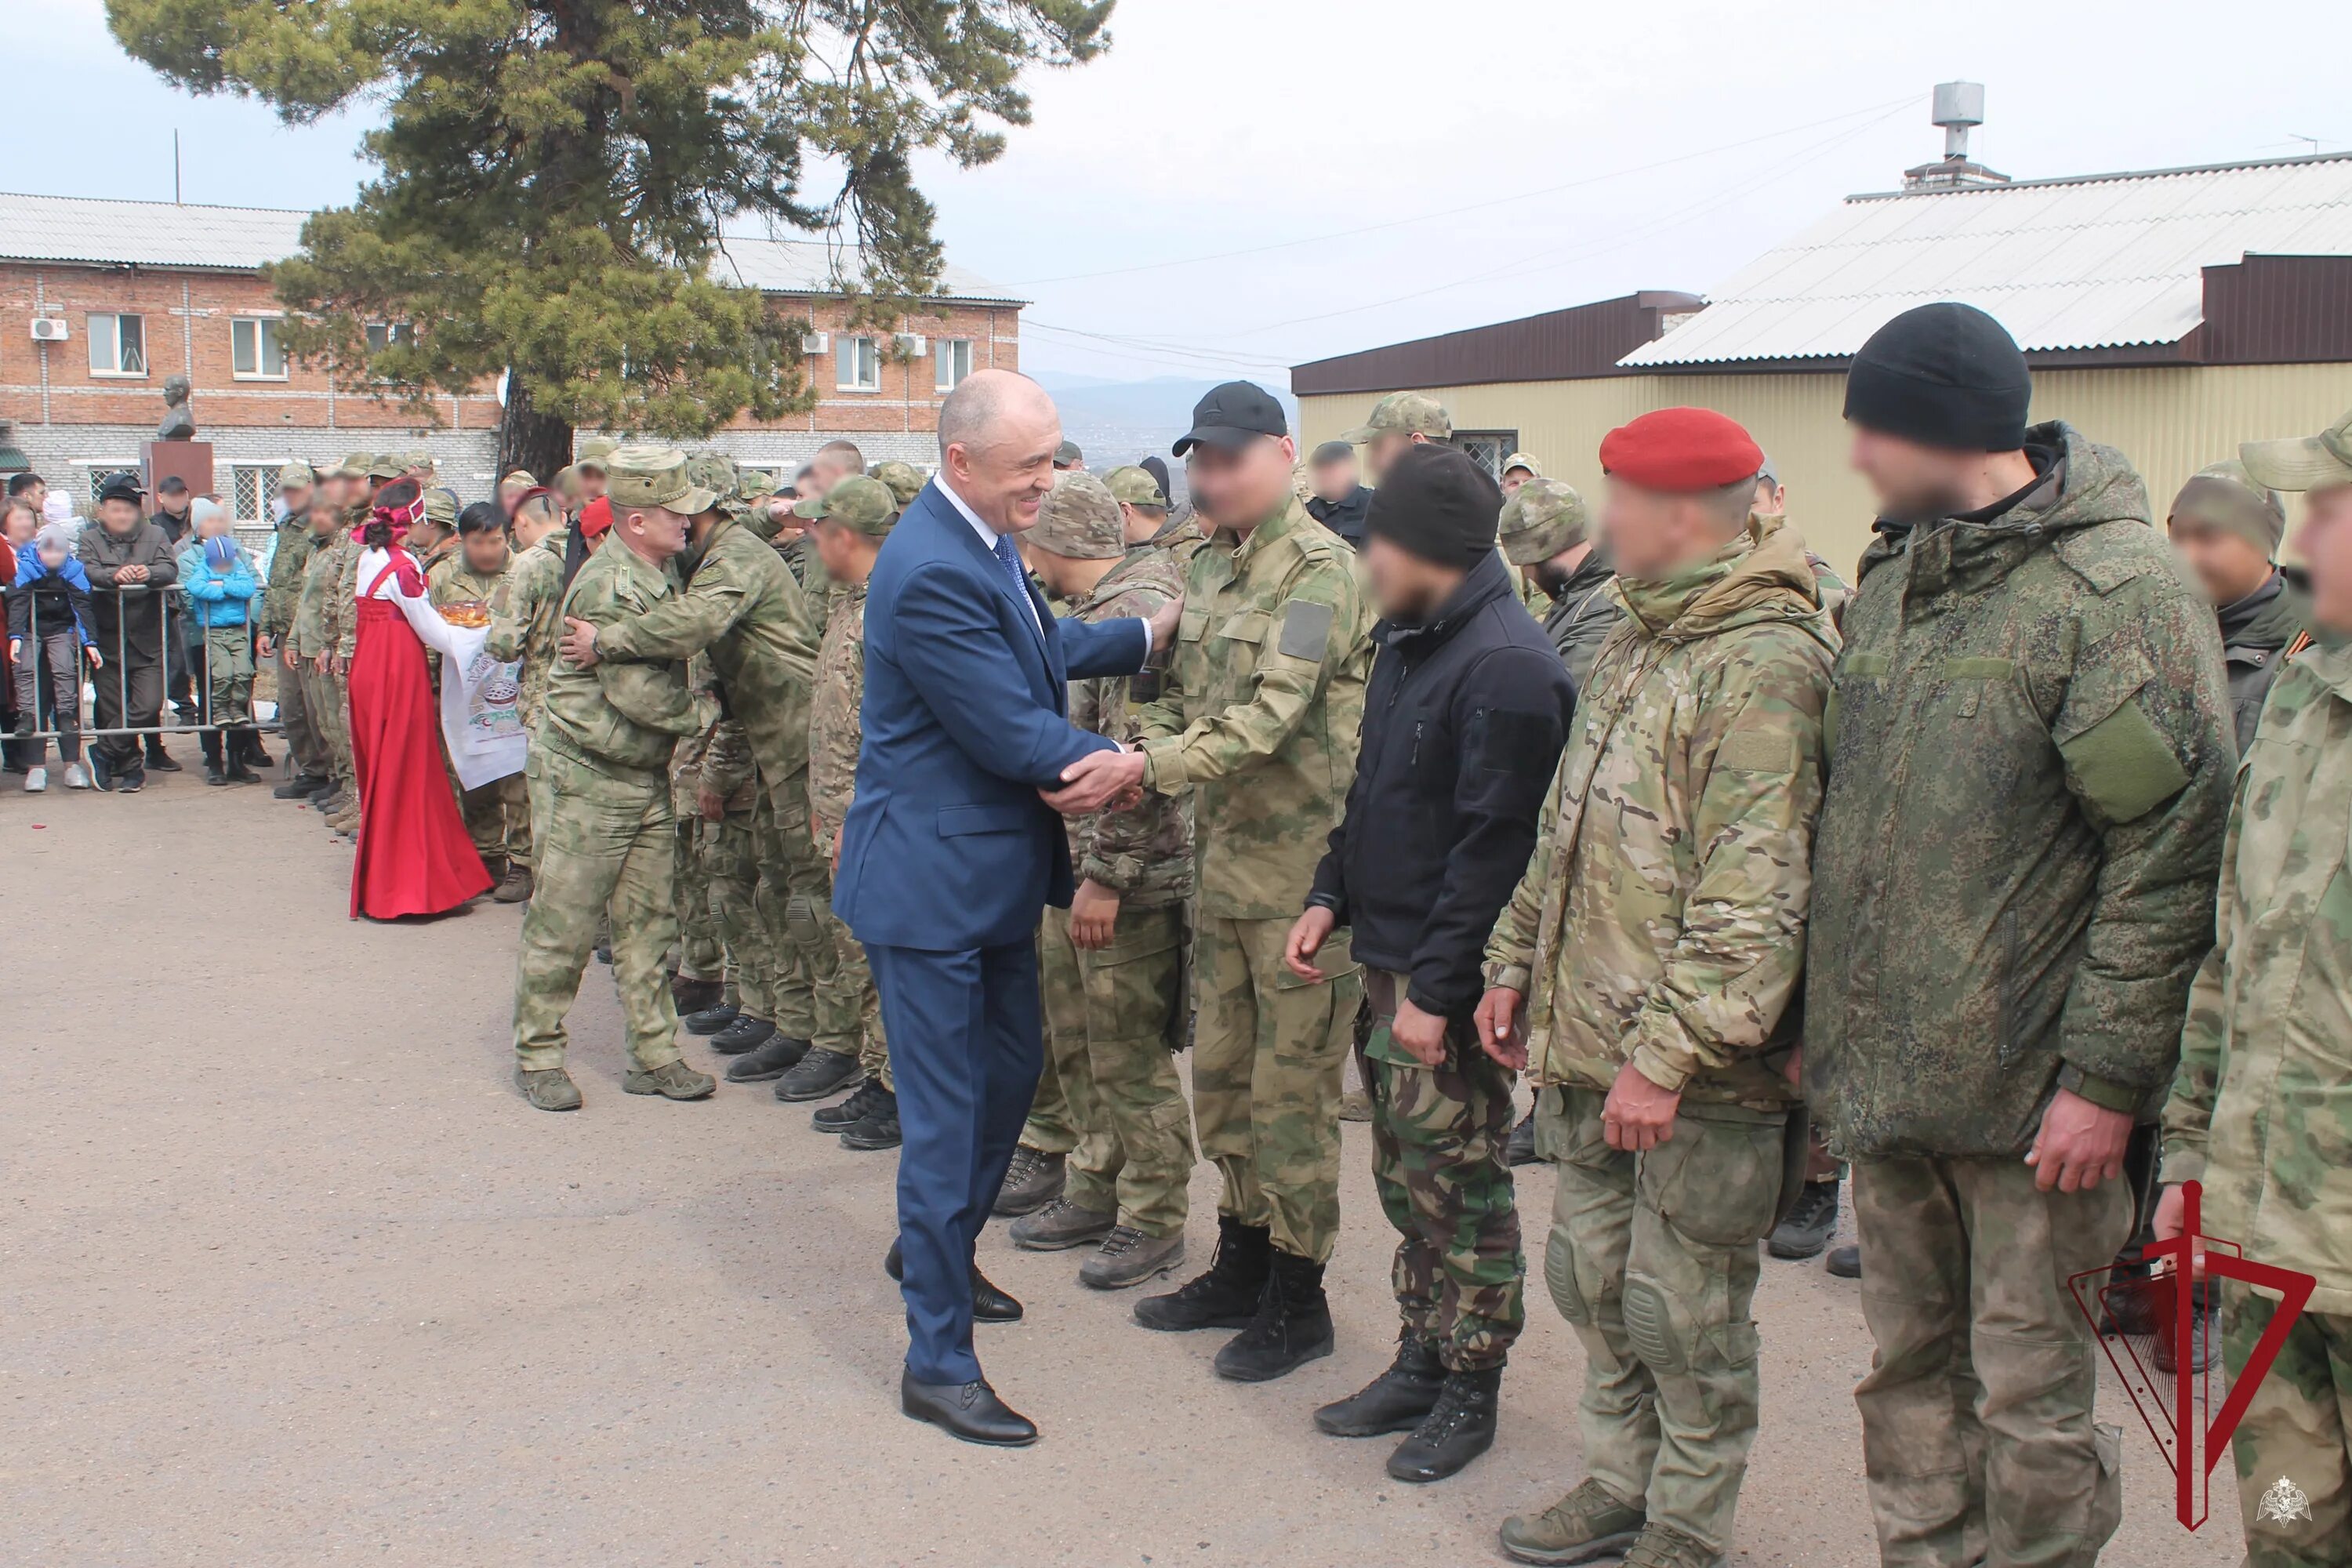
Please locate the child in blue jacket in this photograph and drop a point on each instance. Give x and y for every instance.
(218, 578)
(48, 625)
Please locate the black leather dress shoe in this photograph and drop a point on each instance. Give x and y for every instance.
(967, 1410)
(989, 1304)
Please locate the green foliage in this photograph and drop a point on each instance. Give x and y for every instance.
(553, 174)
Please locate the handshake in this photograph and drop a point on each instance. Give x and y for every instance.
(1099, 779)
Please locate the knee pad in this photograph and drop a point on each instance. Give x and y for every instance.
(801, 921)
(1559, 1275)
(1650, 1323)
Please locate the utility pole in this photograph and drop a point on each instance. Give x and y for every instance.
(175, 165)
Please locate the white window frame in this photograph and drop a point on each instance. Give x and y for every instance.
(857, 364)
(394, 334)
(947, 352)
(113, 340)
(264, 330)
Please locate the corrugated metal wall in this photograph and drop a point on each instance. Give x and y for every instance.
(2169, 421)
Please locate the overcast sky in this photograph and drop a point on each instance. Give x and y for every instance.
(1493, 158)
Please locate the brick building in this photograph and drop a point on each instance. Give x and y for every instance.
(101, 301)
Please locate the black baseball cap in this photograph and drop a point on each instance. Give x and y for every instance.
(1232, 415)
(122, 485)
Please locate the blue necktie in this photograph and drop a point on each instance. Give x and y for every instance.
(1010, 559)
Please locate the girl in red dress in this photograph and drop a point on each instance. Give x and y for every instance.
(414, 857)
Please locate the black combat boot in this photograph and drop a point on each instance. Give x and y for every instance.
(1458, 1428)
(745, 1035)
(1393, 1402)
(1226, 1297)
(1519, 1149)
(1812, 1220)
(209, 743)
(1293, 1325)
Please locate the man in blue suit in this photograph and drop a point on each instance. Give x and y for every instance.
(949, 854)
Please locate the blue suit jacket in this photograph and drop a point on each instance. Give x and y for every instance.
(947, 845)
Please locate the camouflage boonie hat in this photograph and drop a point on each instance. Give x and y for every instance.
(2302, 462)
(654, 476)
(1409, 412)
(385, 466)
(1079, 519)
(714, 472)
(1136, 487)
(294, 476)
(441, 505)
(1521, 461)
(1546, 517)
(592, 452)
(856, 502)
(355, 467)
(906, 483)
(521, 479)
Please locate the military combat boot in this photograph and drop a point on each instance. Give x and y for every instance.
(1293, 1325)
(773, 1059)
(1663, 1546)
(818, 1073)
(550, 1088)
(745, 1035)
(515, 887)
(1127, 1256)
(1588, 1522)
(844, 1114)
(1032, 1180)
(694, 995)
(1457, 1429)
(671, 1080)
(711, 1019)
(1520, 1148)
(877, 1130)
(1226, 1296)
(1812, 1220)
(1396, 1401)
(1844, 1262)
(1060, 1226)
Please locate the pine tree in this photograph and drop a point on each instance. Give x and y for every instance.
(552, 176)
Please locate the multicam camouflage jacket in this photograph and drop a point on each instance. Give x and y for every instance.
(1181, 536)
(324, 604)
(1260, 708)
(2029, 781)
(833, 731)
(621, 717)
(343, 606)
(284, 591)
(524, 622)
(742, 606)
(1673, 934)
(2261, 1107)
(1143, 854)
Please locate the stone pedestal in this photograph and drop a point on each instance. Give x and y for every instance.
(191, 461)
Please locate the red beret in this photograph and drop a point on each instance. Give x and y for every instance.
(595, 517)
(1680, 450)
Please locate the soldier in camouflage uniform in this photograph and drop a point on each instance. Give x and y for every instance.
(698, 978)
(329, 584)
(524, 626)
(904, 482)
(847, 530)
(313, 769)
(2261, 1111)
(497, 814)
(1111, 963)
(2013, 886)
(1400, 419)
(600, 791)
(1257, 721)
(1651, 957)
(1544, 534)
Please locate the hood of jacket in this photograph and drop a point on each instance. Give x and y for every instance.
(1762, 574)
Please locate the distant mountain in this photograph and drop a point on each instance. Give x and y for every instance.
(1117, 422)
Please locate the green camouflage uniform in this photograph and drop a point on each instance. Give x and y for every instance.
(524, 622)
(279, 600)
(1110, 1013)
(600, 795)
(834, 737)
(1259, 716)
(2260, 1110)
(734, 851)
(1672, 938)
(2013, 885)
(325, 603)
(701, 953)
(497, 814)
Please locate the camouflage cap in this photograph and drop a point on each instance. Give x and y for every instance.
(521, 479)
(654, 476)
(856, 503)
(566, 482)
(355, 467)
(1412, 412)
(2302, 462)
(385, 466)
(1136, 487)
(1079, 519)
(593, 452)
(714, 472)
(905, 480)
(755, 484)
(417, 460)
(294, 476)
(441, 505)
(2224, 496)
(1521, 461)
(1542, 518)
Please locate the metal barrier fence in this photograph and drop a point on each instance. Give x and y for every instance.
(139, 688)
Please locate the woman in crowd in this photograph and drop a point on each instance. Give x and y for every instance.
(415, 856)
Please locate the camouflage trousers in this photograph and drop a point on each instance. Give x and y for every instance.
(2298, 1430)
(1652, 1259)
(606, 844)
(1267, 1054)
(312, 758)
(1107, 1017)
(732, 860)
(856, 975)
(814, 1001)
(700, 953)
(497, 819)
(1437, 1163)
(328, 702)
(1977, 1434)
(1052, 1126)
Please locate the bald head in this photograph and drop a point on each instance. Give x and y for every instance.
(998, 431)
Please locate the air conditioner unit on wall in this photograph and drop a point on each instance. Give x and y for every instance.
(912, 343)
(50, 330)
(812, 343)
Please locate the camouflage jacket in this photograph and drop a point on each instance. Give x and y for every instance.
(283, 592)
(742, 605)
(833, 731)
(1144, 854)
(1583, 615)
(524, 624)
(449, 581)
(2256, 633)
(622, 717)
(2261, 1107)
(718, 757)
(2029, 777)
(1260, 708)
(800, 554)
(1181, 536)
(329, 583)
(1673, 934)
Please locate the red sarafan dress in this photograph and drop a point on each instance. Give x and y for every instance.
(414, 857)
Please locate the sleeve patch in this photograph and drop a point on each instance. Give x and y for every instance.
(1513, 743)
(2123, 764)
(1757, 752)
(1306, 630)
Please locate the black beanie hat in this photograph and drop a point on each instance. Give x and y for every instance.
(1438, 503)
(1944, 375)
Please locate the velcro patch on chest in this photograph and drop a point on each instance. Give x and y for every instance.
(1757, 751)
(1305, 629)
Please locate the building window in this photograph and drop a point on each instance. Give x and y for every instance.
(954, 362)
(858, 364)
(382, 335)
(1488, 447)
(118, 345)
(252, 488)
(100, 471)
(255, 353)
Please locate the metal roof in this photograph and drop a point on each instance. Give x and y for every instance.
(2101, 261)
(92, 231)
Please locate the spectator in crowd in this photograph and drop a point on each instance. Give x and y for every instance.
(587, 536)
(1339, 501)
(175, 515)
(1157, 467)
(2227, 530)
(1771, 495)
(219, 580)
(834, 461)
(588, 469)
(131, 566)
(1400, 419)
(1518, 469)
(17, 525)
(295, 484)
(30, 488)
(1068, 459)
(49, 637)
(511, 489)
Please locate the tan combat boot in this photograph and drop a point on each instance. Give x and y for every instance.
(1663, 1546)
(550, 1088)
(1588, 1522)
(671, 1080)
